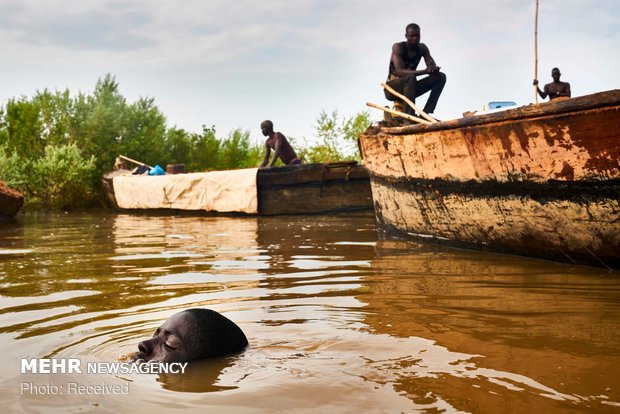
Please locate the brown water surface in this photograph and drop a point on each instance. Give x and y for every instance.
(338, 320)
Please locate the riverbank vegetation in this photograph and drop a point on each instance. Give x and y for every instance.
(55, 146)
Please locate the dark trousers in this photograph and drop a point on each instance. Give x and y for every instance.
(411, 87)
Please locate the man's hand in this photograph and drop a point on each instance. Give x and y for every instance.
(432, 69)
(535, 82)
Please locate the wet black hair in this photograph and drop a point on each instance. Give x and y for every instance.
(216, 335)
(412, 26)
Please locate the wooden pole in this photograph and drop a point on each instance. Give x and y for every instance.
(411, 104)
(134, 161)
(398, 113)
(536, 52)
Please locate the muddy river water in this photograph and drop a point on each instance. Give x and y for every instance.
(339, 319)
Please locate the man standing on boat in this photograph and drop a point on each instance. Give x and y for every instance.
(555, 89)
(278, 142)
(403, 72)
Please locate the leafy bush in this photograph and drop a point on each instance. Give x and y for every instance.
(11, 169)
(60, 179)
(205, 150)
(236, 151)
(338, 137)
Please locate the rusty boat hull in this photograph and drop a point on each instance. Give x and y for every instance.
(540, 181)
(10, 201)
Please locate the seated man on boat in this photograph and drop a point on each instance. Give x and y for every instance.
(403, 72)
(278, 142)
(192, 334)
(555, 89)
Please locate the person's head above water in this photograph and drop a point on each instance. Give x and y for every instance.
(192, 334)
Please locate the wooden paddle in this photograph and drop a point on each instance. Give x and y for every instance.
(134, 161)
(408, 101)
(398, 113)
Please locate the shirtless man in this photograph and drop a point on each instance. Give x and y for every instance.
(277, 141)
(555, 89)
(404, 71)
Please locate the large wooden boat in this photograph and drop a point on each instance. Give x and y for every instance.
(10, 201)
(541, 180)
(300, 189)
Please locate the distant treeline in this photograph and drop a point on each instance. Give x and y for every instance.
(55, 147)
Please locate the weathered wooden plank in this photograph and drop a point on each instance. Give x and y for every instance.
(315, 197)
(310, 173)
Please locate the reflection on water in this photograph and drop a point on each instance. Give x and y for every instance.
(338, 321)
(200, 376)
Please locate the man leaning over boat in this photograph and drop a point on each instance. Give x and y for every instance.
(278, 142)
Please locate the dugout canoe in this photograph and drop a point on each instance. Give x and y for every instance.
(300, 189)
(540, 180)
(10, 201)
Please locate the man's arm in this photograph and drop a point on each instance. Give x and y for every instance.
(428, 59)
(266, 158)
(399, 64)
(277, 144)
(542, 94)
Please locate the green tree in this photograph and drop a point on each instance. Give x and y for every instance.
(22, 128)
(143, 133)
(337, 137)
(179, 146)
(105, 123)
(205, 150)
(61, 178)
(236, 151)
(55, 114)
(11, 169)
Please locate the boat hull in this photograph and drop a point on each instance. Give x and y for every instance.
(313, 188)
(11, 201)
(540, 181)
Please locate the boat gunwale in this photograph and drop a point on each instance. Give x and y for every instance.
(558, 107)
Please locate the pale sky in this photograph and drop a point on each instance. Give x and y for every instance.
(233, 63)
